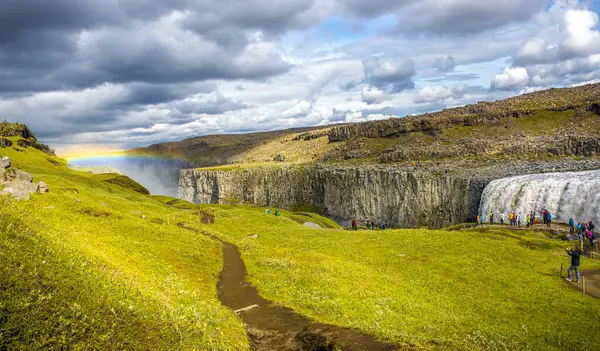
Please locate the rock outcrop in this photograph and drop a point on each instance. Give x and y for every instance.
(27, 137)
(18, 184)
(580, 99)
(402, 197)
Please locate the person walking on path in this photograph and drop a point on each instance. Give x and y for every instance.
(575, 262)
(491, 218)
(519, 219)
(481, 219)
(528, 219)
(549, 219)
(502, 218)
(354, 225)
(571, 226)
(590, 235)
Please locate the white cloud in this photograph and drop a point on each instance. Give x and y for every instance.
(511, 78)
(372, 95)
(437, 93)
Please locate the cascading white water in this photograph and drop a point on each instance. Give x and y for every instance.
(564, 195)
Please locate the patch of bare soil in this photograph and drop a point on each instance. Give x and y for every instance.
(273, 327)
(592, 283)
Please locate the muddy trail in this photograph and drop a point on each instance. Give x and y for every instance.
(273, 327)
(592, 283)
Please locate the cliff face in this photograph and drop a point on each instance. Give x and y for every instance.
(402, 197)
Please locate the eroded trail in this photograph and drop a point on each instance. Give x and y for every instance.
(592, 283)
(277, 328)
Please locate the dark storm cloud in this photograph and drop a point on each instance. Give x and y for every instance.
(74, 44)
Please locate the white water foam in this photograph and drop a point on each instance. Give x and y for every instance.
(565, 195)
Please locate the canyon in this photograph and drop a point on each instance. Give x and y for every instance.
(427, 170)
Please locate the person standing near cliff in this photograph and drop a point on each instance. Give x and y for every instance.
(354, 224)
(502, 218)
(528, 220)
(549, 219)
(575, 262)
(491, 218)
(571, 226)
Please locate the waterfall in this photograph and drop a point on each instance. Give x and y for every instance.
(564, 195)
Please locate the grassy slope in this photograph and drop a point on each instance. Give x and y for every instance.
(451, 290)
(80, 267)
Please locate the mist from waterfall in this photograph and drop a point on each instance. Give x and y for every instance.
(564, 195)
(159, 175)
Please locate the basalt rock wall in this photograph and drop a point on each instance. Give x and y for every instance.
(402, 198)
(405, 198)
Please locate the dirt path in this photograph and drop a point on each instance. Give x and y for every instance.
(592, 283)
(278, 328)
(273, 327)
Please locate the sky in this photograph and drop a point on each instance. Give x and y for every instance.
(96, 75)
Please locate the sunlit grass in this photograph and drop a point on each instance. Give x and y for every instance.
(434, 289)
(94, 265)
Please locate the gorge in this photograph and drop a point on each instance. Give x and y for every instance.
(426, 170)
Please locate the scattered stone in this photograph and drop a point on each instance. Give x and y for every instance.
(4, 163)
(144, 217)
(245, 309)
(253, 236)
(43, 187)
(5, 143)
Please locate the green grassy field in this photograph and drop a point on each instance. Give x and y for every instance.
(97, 265)
(82, 269)
(488, 290)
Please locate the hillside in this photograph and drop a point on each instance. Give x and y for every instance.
(97, 265)
(540, 125)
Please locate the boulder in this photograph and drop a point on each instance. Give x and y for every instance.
(22, 186)
(24, 176)
(42, 187)
(4, 163)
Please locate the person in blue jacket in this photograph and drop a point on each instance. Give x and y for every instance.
(571, 226)
(549, 218)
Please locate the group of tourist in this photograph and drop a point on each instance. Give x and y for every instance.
(369, 224)
(516, 219)
(584, 231)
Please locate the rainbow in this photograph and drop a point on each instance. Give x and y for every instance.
(112, 156)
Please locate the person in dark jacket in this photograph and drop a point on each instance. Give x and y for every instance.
(575, 262)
